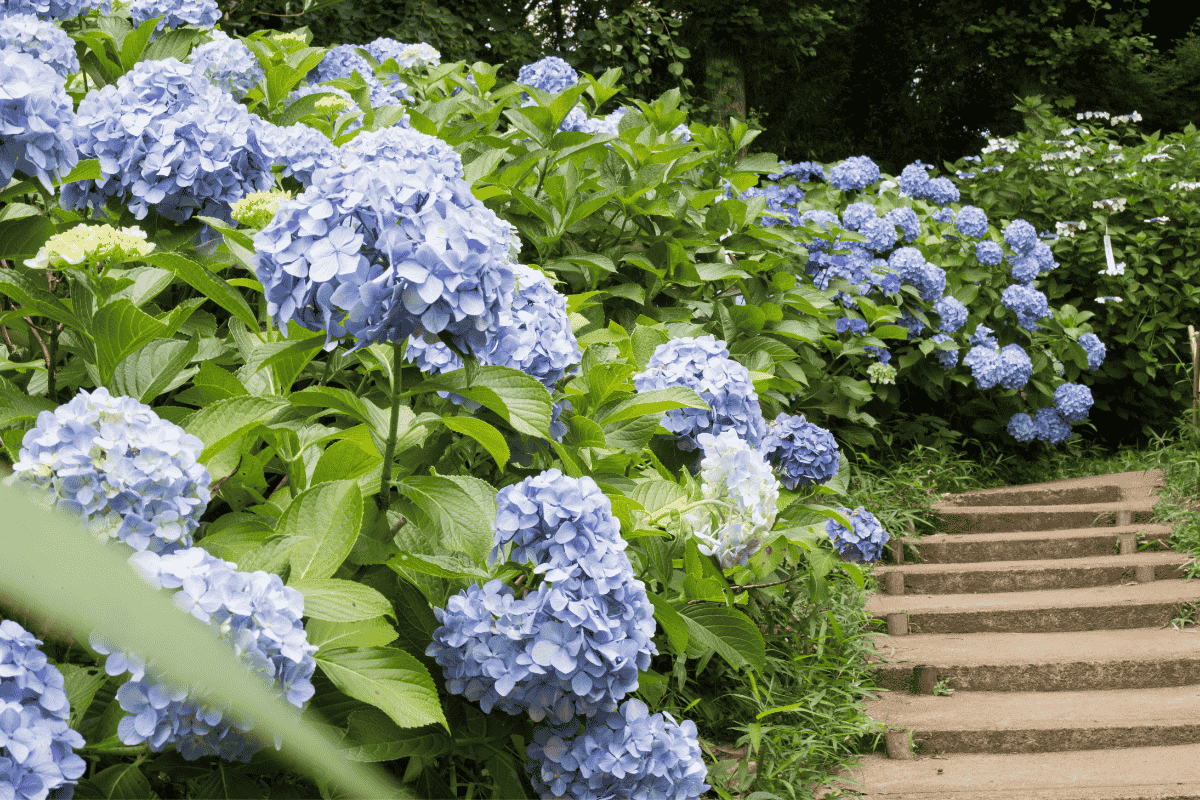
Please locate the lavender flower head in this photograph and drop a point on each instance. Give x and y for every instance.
(855, 173)
(1022, 428)
(703, 365)
(1050, 426)
(1073, 401)
(130, 475)
(1014, 368)
(36, 135)
(1027, 303)
(255, 613)
(803, 453)
(43, 40)
(551, 74)
(228, 64)
(738, 477)
(988, 253)
(1094, 348)
(1021, 237)
(175, 13)
(947, 359)
(299, 149)
(972, 221)
(56, 9)
(387, 244)
(952, 312)
(343, 61)
(864, 542)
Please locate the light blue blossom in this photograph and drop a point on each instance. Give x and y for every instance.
(1022, 427)
(1050, 425)
(988, 253)
(906, 218)
(737, 476)
(803, 453)
(36, 136)
(343, 61)
(228, 64)
(1073, 401)
(984, 362)
(56, 9)
(1094, 348)
(1027, 303)
(947, 359)
(971, 221)
(551, 74)
(1021, 237)
(299, 149)
(864, 542)
(942, 192)
(175, 13)
(1014, 368)
(45, 41)
(952, 312)
(855, 173)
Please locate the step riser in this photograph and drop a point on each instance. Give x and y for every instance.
(1024, 519)
(1045, 497)
(1056, 740)
(1031, 581)
(1051, 677)
(1101, 544)
(1034, 620)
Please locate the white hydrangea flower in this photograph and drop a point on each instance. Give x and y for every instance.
(91, 244)
(1116, 204)
(256, 209)
(1185, 185)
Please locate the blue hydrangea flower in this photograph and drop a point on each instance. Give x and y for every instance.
(914, 179)
(36, 743)
(1073, 401)
(1022, 428)
(46, 42)
(880, 354)
(857, 214)
(252, 611)
(947, 359)
(738, 476)
(175, 13)
(1024, 269)
(915, 326)
(906, 218)
(1021, 237)
(703, 365)
(56, 9)
(1044, 257)
(988, 253)
(408, 56)
(857, 326)
(984, 362)
(944, 215)
(912, 268)
(1027, 303)
(36, 135)
(627, 753)
(170, 141)
(575, 644)
(971, 221)
(1050, 425)
(803, 453)
(551, 74)
(1015, 367)
(862, 543)
(983, 335)
(804, 171)
(299, 149)
(1095, 350)
(942, 192)
(129, 474)
(856, 172)
(343, 61)
(952, 312)
(880, 233)
(228, 64)
(386, 244)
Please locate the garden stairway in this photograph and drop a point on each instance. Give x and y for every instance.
(1054, 632)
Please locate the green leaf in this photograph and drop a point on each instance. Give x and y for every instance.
(224, 422)
(81, 684)
(23, 235)
(17, 406)
(483, 432)
(135, 43)
(520, 400)
(37, 301)
(460, 508)
(672, 623)
(347, 459)
(120, 328)
(727, 631)
(207, 283)
(227, 782)
(124, 781)
(448, 567)
(155, 369)
(387, 678)
(758, 162)
(337, 600)
(322, 524)
(372, 736)
(656, 495)
(376, 632)
(655, 401)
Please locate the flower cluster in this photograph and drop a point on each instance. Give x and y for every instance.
(744, 494)
(36, 135)
(56, 9)
(131, 475)
(36, 743)
(624, 753)
(1027, 303)
(912, 268)
(804, 171)
(916, 183)
(380, 254)
(252, 611)
(299, 149)
(1046, 425)
(91, 244)
(1073, 401)
(803, 453)
(175, 13)
(864, 541)
(952, 312)
(228, 64)
(703, 365)
(1094, 348)
(257, 208)
(988, 253)
(407, 56)
(167, 140)
(575, 644)
(343, 61)
(972, 221)
(1009, 367)
(855, 173)
(881, 373)
(948, 359)
(46, 42)
(551, 74)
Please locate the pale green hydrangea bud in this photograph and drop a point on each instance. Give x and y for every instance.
(256, 209)
(881, 373)
(91, 244)
(333, 104)
(290, 41)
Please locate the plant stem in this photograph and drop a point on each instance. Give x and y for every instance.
(390, 449)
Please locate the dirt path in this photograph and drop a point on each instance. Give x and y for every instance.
(1035, 607)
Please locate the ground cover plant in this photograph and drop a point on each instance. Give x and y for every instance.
(499, 430)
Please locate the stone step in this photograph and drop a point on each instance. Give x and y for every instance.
(995, 519)
(1040, 662)
(1033, 575)
(962, 548)
(1037, 722)
(1070, 491)
(1144, 605)
(1135, 773)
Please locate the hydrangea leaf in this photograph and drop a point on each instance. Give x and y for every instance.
(372, 736)
(727, 631)
(119, 329)
(459, 507)
(24, 292)
(335, 600)
(23, 229)
(123, 781)
(346, 459)
(517, 398)
(207, 283)
(632, 435)
(222, 423)
(17, 406)
(482, 432)
(81, 684)
(322, 523)
(654, 401)
(374, 632)
(156, 368)
(387, 678)
(657, 495)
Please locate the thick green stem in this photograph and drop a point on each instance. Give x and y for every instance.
(389, 450)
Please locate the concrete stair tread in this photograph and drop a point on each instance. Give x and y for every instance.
(1151, 773)
(1152, 530)
(1178, 590)
(1134, 483)
(1018, 711)
(1117, 560)
(1132, 504)
(1063, 647)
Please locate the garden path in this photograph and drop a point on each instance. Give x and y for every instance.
(1055, 634)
